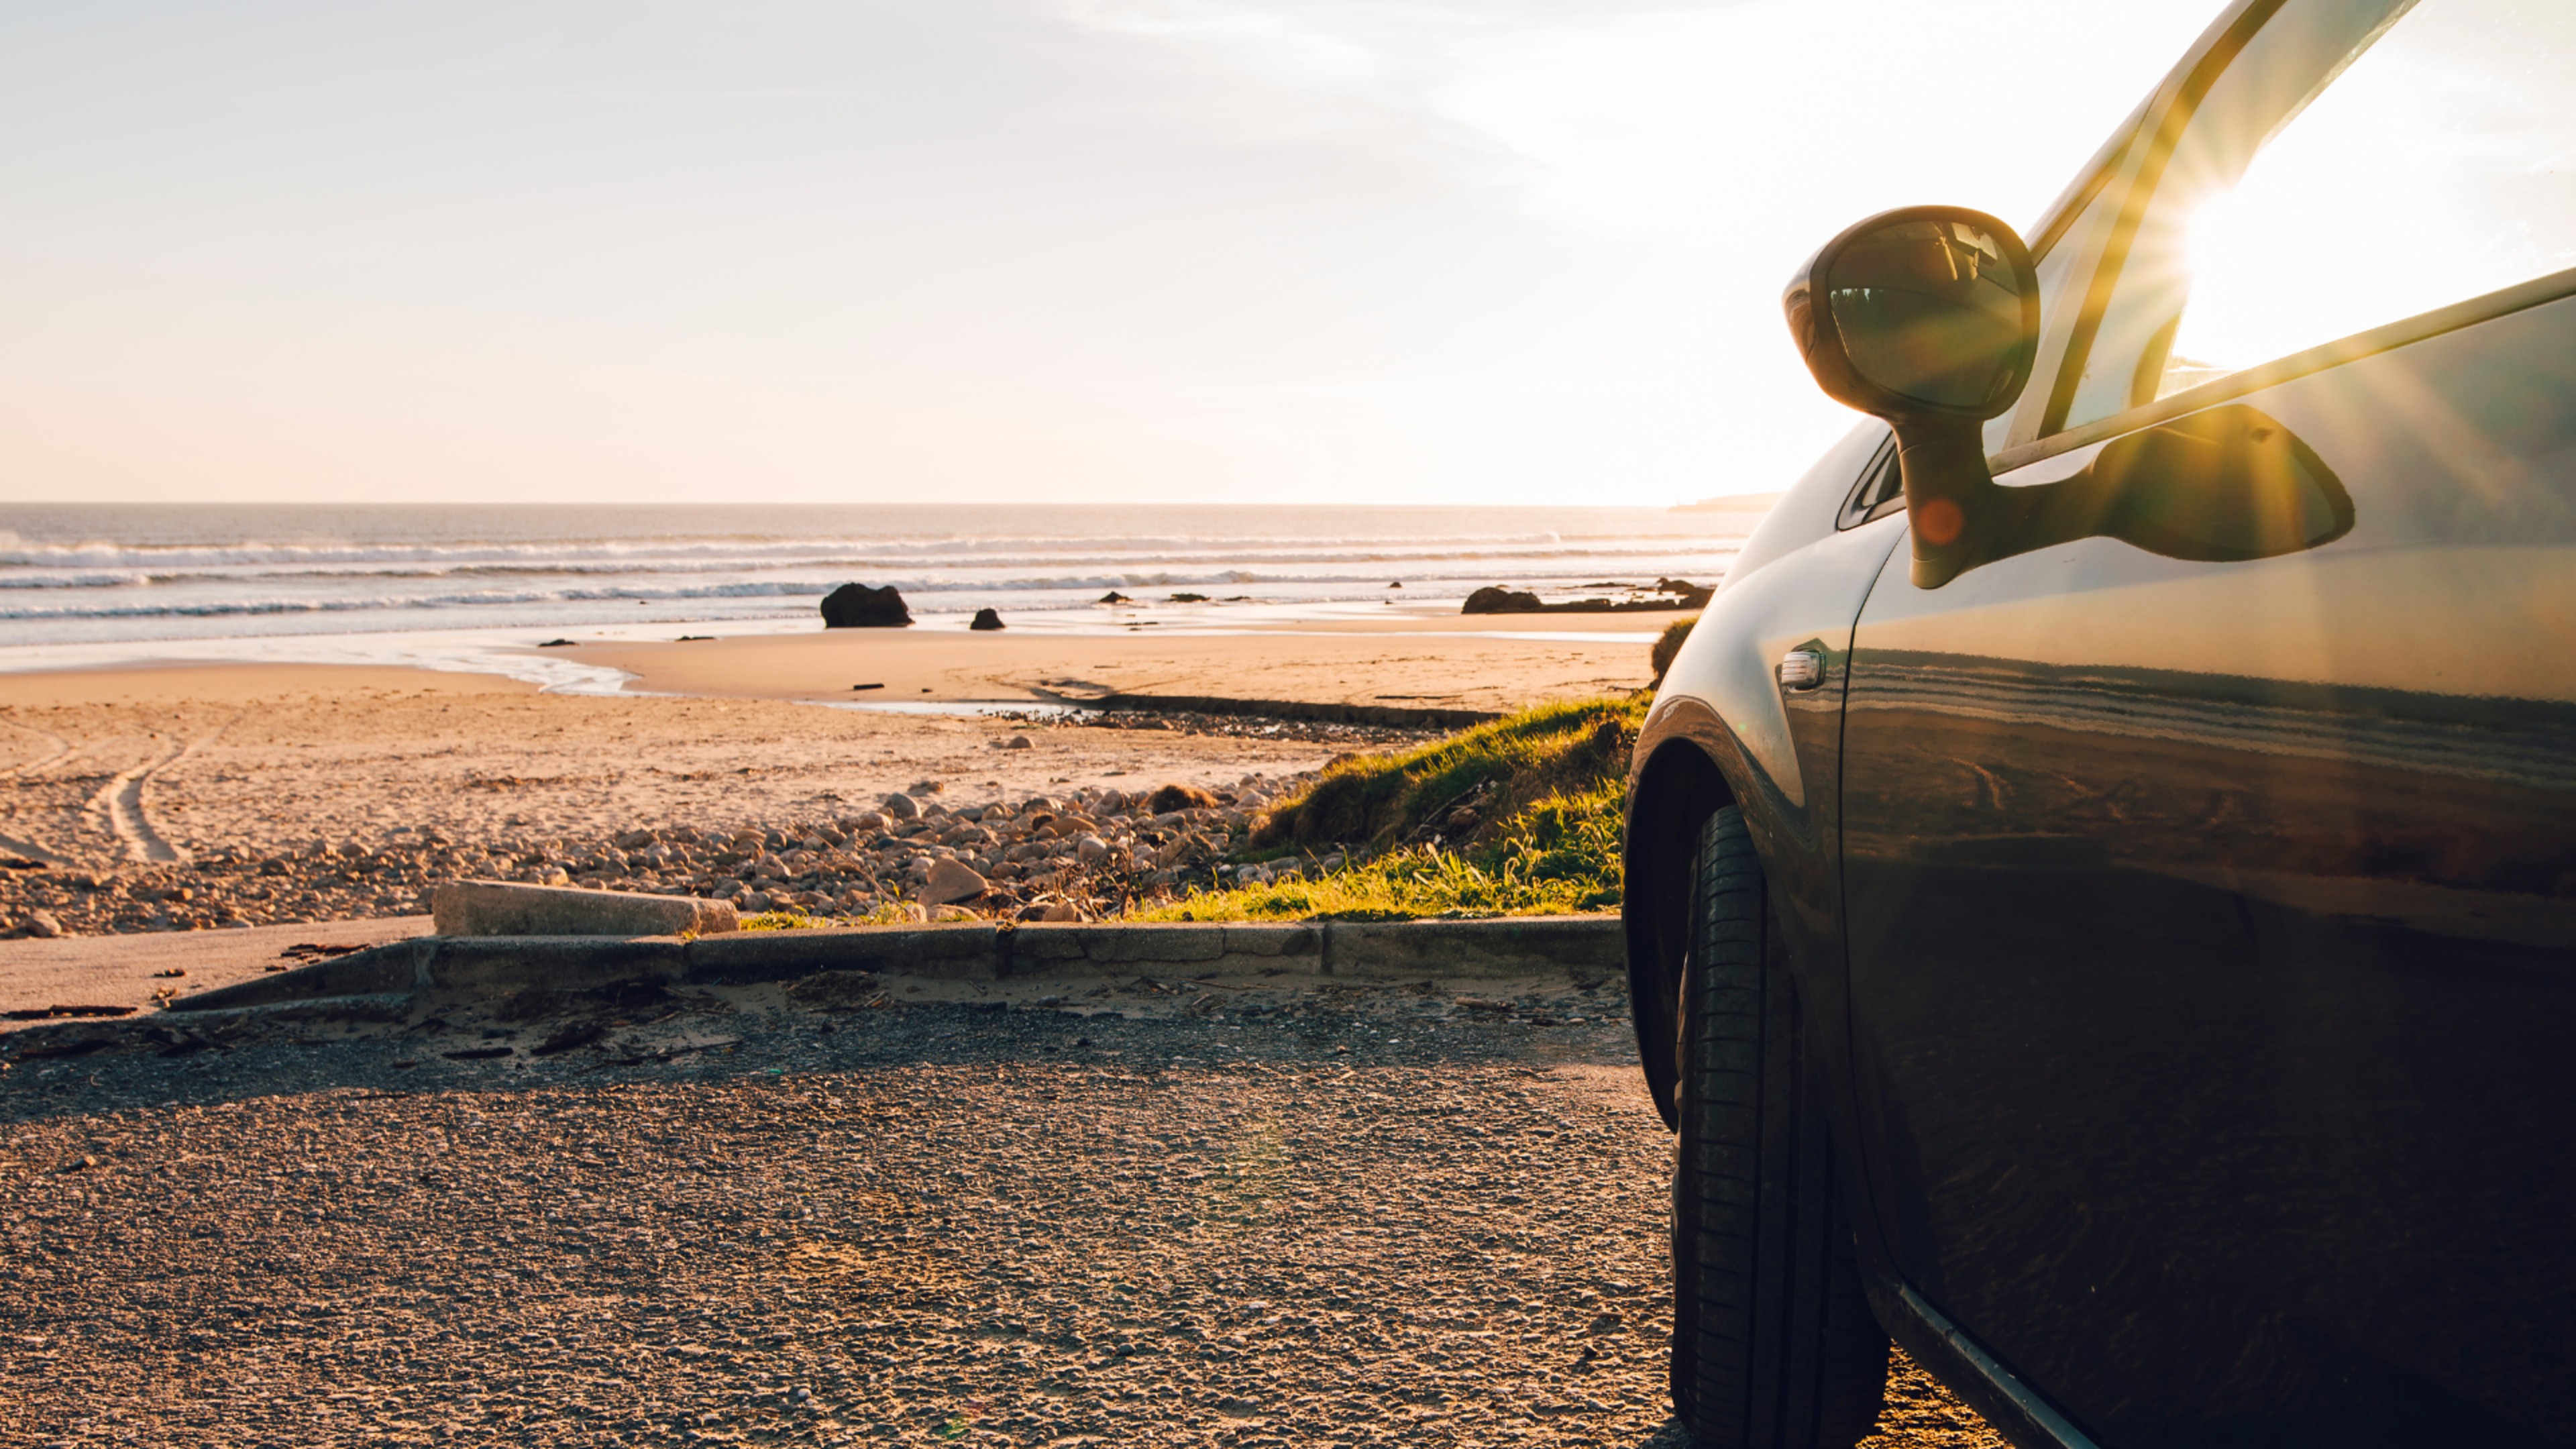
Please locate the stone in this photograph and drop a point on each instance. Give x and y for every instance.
(1114, 597)
(986, 620)
(503, 908)
(43, 924)
(1091, 849)
(1019, 742)
(950, 881)
(902, 807)
(856, 606)
(1180, 797)
(1492, 600)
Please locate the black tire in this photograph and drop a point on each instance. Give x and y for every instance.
(1774, 1346)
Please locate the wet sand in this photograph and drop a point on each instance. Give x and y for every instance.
(1442, 663)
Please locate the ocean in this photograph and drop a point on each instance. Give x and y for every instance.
(97, 583)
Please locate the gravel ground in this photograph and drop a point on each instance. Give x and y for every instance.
(852, 1213)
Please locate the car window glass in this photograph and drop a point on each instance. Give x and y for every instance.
(1880, 491)
(2057, 283)
(2360, 162)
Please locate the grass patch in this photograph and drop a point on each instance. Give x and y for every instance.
(1517, 817)
(1668, 645)
(890, 914)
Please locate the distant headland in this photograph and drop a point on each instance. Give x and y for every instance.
(1732, 503)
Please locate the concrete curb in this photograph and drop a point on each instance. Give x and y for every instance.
(972, 951)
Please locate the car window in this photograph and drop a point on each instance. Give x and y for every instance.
(2059, 286)
(1880, 491)
(2360, 162)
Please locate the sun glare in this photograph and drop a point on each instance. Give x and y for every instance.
(2436, 168)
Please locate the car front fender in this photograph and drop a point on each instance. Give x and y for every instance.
(1723, 731)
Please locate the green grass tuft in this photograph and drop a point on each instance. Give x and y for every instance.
(1668, 645)
(1548, 787)
(891, 914)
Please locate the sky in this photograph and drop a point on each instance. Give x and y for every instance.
(1479, 252)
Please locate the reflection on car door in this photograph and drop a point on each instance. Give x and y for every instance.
(2211, 909)
(2213, 932)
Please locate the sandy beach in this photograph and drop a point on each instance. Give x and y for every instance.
(1445, 661)
(125, 786)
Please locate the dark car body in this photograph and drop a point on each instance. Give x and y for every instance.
(2191, 941)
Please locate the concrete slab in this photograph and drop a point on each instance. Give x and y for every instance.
(964, 951)
(1578, 948)
(510, 908)
(122, 970)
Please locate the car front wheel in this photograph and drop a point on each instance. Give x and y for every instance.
(1774, 1346)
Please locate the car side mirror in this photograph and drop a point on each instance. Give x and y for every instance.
(2225, 485)
(1926, 317)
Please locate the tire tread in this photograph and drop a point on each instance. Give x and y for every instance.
(1774, 1346)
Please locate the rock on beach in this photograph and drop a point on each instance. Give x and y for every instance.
(951, 882)
(1494, 600)
(856, 606)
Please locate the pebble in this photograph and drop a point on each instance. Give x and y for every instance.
(950, 882)
(1096, 850)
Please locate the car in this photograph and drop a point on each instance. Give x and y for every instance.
(2101, 873)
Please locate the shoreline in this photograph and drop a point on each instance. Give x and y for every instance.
(577, 665)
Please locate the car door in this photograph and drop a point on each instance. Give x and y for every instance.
(2211, 901)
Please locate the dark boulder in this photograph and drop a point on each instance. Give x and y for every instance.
(986, 619)
(1115, 597)
(856, 606)
(1180, 797)
(1492, 600)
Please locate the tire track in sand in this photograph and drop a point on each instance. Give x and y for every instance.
(63, 749)
(120, 800)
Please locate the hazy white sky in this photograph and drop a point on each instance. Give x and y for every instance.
(1441, 251)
